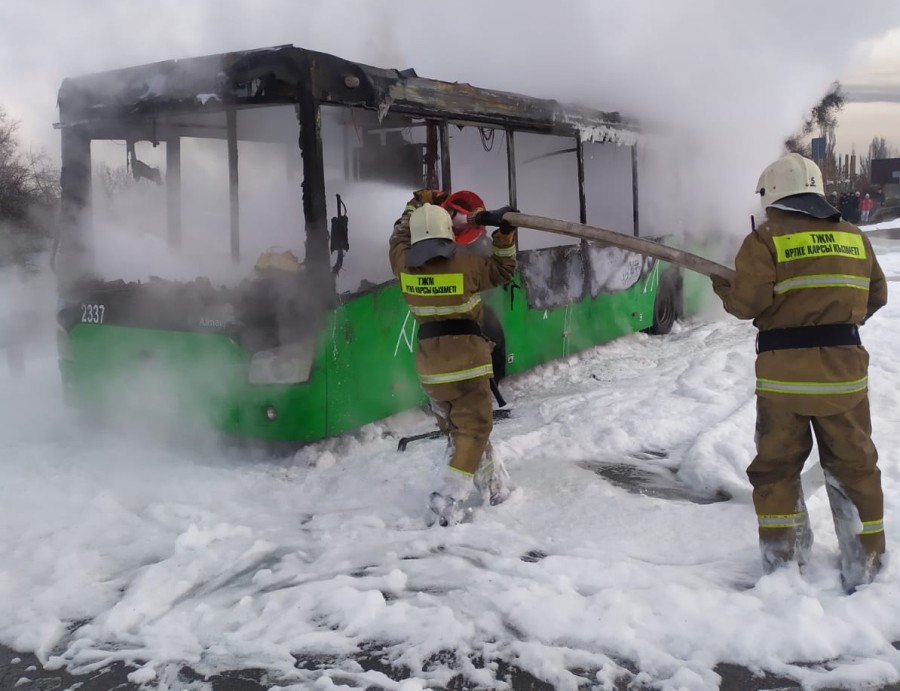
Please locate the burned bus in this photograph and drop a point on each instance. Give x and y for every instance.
(238, 278)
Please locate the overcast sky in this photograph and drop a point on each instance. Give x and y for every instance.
(873, 91)
(732, 78)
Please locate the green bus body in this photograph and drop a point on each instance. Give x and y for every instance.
(136, 349)
(362, 372)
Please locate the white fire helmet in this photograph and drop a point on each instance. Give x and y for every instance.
(430, 222)
(789, 175)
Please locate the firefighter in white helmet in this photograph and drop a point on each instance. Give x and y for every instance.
(808, 279)
(453, 358)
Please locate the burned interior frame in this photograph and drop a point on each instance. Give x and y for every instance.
(199, 97)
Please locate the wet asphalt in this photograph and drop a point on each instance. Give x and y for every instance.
(23, 672)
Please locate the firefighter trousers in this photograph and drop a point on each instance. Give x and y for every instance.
(464, 410)
(853, 483)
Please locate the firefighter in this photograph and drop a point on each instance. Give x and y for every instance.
(808, 279)
(453, 358)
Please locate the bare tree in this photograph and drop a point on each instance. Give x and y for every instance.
(110, 182)
(878, 148)
(29, 196)
(821, 117)
(824, 114)
(13, 174)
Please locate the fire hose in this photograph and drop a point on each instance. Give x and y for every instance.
(643, 246)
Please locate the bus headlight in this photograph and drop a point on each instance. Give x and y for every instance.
(289, 364)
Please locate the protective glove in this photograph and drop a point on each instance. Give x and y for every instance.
(719, 282)
(426, 196)
(503, 239)
(721, 286)
(493, 218)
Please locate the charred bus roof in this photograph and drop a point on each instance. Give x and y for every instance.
(176, 95)
(200, 97)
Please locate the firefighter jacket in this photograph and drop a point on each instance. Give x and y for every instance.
(448, 289)
(795, 270)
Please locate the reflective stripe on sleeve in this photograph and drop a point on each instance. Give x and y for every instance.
(459, 375)
(788, 520)
(444, 310)
(822, 281)
(505, 251)
(809, 387)
(872, 527)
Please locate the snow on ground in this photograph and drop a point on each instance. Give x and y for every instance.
(131, 547)
(893, 224)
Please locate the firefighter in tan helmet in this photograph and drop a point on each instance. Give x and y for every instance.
(453, 359)
(808, 279)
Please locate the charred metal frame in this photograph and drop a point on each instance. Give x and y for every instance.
(315, 211)
(431, 155)
(173, 191)
(634, 191)
(233, 198)
(446, 180)
(75, 183)
(511, 169)
(582, 199)
(169, 100)
(582, 209)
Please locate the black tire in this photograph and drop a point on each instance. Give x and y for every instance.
(494, 330)
(666, 307)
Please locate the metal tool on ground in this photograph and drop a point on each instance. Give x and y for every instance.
(405, 441)
(627, 242)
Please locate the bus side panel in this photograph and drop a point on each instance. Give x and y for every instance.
(533, 336)
(301, 408)
(371, 367)
(536, 336)
(622, 289)
(192, 379)
(615, 314)
(153, 373)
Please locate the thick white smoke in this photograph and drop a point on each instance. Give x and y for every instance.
(727, 81)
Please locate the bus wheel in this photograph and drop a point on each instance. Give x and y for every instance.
(493, 329)
(665, 307)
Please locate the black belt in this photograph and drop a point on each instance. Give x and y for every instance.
(808, 337)
(450, 327)
(459, 327)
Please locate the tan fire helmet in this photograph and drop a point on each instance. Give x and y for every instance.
(430, 222)
(794, 183)
(791, 174)
(430, 235)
